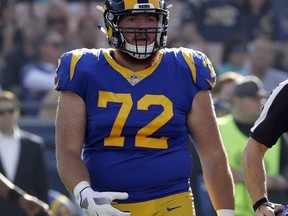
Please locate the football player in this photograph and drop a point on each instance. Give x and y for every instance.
(131, 109)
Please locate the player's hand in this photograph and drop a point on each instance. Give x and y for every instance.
(98, 203)
(268, 209)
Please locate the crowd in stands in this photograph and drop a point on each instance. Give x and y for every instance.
(241, 38)
(33, 35)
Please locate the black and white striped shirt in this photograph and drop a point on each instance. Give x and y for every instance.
(273, 121)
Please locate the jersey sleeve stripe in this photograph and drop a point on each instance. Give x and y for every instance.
(56, 75)
(188, 56)
(77, 54)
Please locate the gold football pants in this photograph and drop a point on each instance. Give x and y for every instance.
(175, 205)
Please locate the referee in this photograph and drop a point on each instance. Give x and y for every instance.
(272, 123)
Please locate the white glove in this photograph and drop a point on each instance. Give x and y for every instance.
(95, 203)
(225, 212)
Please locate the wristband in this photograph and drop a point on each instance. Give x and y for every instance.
(259, 203)
(80, 187)
(225, 212)
(15, 194)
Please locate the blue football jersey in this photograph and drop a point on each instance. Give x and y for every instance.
(136, 136)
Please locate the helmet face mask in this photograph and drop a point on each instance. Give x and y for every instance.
(115, 9)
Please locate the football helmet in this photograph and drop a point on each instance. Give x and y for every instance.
(114, 9)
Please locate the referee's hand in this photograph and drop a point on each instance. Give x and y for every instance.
(269, 209)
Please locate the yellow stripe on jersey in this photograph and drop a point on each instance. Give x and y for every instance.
(127, 73)
(188, 56)
(56, 75)
(76, 55)
(212, 84)
(208, 63)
